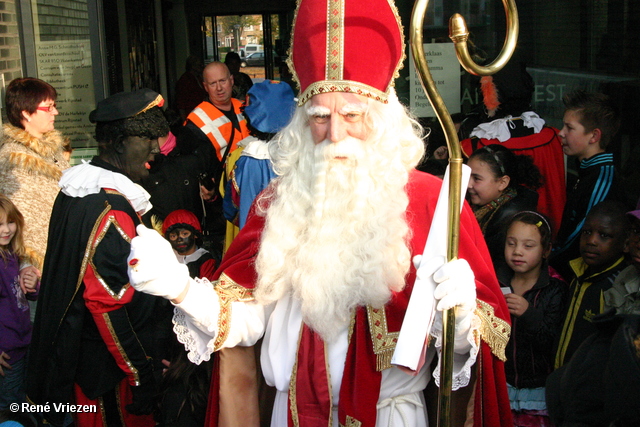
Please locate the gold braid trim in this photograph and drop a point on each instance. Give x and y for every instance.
(156, 102)
(351, 422)
(334, 68)
(228, 292)
(293, 395)
(384, 342)
(348, 86)
(111, 221)
(493, 330)
(123, 353)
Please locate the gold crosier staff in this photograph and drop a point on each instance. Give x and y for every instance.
(459, 34)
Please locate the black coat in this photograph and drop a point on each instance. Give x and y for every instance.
(530, 354)
(173, 180)
(600, 386)
(67, 346)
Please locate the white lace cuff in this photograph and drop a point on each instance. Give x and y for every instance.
(195, 320)
(467, 344)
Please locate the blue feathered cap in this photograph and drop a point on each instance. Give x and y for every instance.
(271, 105)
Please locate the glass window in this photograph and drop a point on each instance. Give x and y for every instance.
(63, 59)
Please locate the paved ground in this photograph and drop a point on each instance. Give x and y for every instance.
(254, 72)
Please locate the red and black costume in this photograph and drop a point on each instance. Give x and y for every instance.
(93, 332)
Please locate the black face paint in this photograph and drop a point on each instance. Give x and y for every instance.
(137, 153)
(182, 241)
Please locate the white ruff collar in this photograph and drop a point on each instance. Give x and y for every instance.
(85, 179)
(499, 128)
(186, 259)
(257, 149)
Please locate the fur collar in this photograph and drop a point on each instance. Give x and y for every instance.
(48, 146)
(48, 158)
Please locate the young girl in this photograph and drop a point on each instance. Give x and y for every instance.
(535, 296)
(15, 325)
(501, 185)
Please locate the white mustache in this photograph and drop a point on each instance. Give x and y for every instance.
(349, 148)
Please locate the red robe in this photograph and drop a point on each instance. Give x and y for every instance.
(369, 350)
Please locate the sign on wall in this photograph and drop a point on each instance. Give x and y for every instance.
(66, 65)
(445, 70)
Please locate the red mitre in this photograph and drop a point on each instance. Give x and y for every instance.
(352, 46)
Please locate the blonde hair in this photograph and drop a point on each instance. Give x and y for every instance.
(10, 212)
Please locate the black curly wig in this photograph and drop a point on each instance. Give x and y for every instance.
(150, 124)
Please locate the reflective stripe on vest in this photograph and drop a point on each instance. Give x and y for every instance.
(217, 127)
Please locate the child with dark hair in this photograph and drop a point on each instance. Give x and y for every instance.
(501, 185)
(590, 123)
(602, 244)
(536, 296)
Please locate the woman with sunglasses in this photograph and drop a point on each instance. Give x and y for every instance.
(31, 159)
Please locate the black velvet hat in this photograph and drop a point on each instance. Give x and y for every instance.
(125, 104)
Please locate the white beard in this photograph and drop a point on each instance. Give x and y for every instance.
(336, 234)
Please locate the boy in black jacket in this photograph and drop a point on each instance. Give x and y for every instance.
(590, 122)
(602, 245)
(601, 383)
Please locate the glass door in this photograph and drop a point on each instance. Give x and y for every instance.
(257, 39)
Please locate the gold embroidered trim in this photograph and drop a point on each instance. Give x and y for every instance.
(384, 342)
(348, 86)
(228, 292)
(232, 177)
(85, 258)
(289, 61)
(153, 103)
(119, 404)
(335, 40)
(351, 422)
(493, 330)
(403, 57)
(293, 397)
(329, 383)
(352, 324)
(117, 193)
(112, 331)
(110, 221)
(103, 414)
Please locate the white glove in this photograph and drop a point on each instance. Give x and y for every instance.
(456, 287)
(153, 267)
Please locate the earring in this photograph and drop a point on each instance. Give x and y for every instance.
(29, 120)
